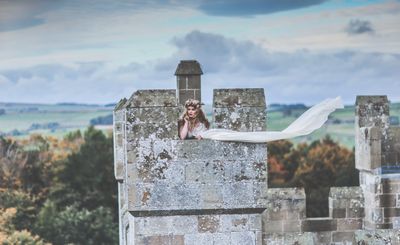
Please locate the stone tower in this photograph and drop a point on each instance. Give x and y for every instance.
(188, 78)
(378, 159)
(202, 192)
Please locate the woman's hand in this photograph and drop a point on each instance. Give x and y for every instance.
(186, 118)
(199, 137)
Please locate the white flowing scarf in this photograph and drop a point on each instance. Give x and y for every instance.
(309, 121)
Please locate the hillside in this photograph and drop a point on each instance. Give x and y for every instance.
(21, 119)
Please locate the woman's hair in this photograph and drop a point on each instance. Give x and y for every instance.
(200, 117)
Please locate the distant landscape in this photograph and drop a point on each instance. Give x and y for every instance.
(21, 120)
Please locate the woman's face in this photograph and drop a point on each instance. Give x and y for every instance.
(191, 111)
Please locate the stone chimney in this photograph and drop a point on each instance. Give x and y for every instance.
(188, 77)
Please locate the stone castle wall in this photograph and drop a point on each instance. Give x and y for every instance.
(187, 192)
(182, 192)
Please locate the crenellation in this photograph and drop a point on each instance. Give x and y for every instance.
(239, 109)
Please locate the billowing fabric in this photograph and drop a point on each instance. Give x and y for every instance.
(309, 121)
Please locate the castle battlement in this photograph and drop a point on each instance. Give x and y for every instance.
(182, 192)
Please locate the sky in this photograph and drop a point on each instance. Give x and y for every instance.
(99, 51)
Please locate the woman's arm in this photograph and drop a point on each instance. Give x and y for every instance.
(184, 130)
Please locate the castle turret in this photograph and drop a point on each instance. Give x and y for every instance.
(378, 159)
(188, 77)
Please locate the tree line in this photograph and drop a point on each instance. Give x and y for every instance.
(316, 167)
(58, 191)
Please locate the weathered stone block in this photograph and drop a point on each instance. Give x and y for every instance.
(337, 213)
(119, 116)
(159, 240)
(240, 119)
(164, 196)
(208, 223)
(193, 172)
(255, 222)
(390, 185)
(222, 238)
(198, 239)
(235, 222)
(349, 224)
(151, 131)
(292, 199)
(149, 226)
(295, 214)
(322, 237)
(398, 201)
(377, 237)
(212, 195)
(152, 98)
(396, 223)
(343, 237)
(374, 226)
(250, 97)
(183, 224)
(276, 214)
(297, 238)
(391, 212)
(319, 224)
(238, 195)
(259, 238)
(157, 116)
(243, 238)
(387, 200)
(376, 215)
(355, 212)
(372, 111)
(292, 226)
(272, 226)
(351, 192)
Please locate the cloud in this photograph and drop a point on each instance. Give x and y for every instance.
(296, 76)
(356, 27)
(288, 77)
(20, 14)
(252, 7)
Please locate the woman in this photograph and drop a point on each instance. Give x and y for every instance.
(193, 121)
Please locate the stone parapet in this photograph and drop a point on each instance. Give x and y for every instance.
(372, 133)
(372, 111)
(152, 98)
(192, 175)
(285, 210)
(346, 203)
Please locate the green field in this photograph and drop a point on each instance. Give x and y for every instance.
(69, 117)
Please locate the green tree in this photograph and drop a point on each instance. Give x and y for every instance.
(86, 177)
(24, 205)
(76, 225)
(315, 167)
